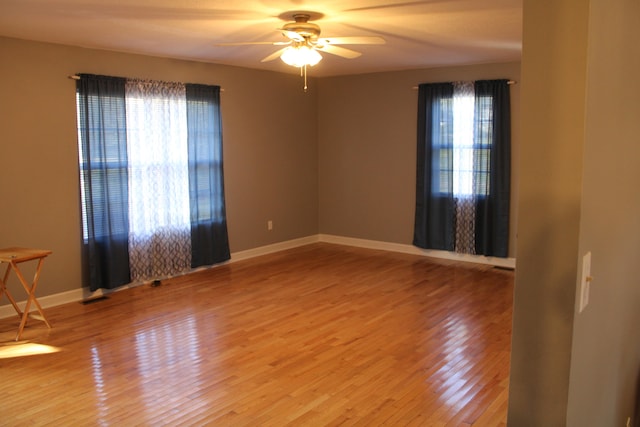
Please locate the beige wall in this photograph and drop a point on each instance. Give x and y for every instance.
(367, 142)
(270, 149)
(577, 193)
(604, 385)
(553, 82)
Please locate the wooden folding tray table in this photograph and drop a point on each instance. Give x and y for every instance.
(13, 257)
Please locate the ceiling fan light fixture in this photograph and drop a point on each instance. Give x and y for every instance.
(299, 56)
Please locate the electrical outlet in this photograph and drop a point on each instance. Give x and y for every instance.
(585, 281)
(269, 225)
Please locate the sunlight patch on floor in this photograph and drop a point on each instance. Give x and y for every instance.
(21, 349)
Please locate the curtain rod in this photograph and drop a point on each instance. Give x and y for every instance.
(510, 82)
(77, 77)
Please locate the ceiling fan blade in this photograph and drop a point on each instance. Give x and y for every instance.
(274, 55)
(392, 36)
(254, 43)
(153, 12)
(388, 6)
(352, 40)
(242, 43)
(339, 51)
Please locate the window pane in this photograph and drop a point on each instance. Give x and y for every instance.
(463, 121)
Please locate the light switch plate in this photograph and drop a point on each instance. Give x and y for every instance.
(585, 282)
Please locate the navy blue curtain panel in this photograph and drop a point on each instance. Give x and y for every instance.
(209, 239)
(104, 180)
(492, 211)
(435, 206)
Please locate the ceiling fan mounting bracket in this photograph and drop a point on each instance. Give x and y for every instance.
(302, 26)
(290, 15)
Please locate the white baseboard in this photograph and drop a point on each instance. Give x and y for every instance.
(276, 247)
(48, 301)
(413, 250)
(84, 293)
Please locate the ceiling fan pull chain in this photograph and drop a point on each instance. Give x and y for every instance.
(305, 78)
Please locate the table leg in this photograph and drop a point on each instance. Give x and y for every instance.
(31, 291)
(4, 290)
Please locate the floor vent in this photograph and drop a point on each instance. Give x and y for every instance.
(92, 300)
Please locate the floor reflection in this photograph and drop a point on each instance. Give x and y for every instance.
(165, 359)
(102, 404)
(457, 362)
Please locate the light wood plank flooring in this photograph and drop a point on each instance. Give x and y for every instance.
(318, 335)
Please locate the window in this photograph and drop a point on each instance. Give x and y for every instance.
(150, 157)
(463, 158)
(463, 169)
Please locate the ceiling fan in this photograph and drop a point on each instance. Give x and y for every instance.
(304, 44)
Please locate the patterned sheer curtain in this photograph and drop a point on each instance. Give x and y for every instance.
(160, 231)
(463, 167)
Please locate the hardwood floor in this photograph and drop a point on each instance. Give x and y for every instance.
(318, 335)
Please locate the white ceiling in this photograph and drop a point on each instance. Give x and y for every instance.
(418, 34)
